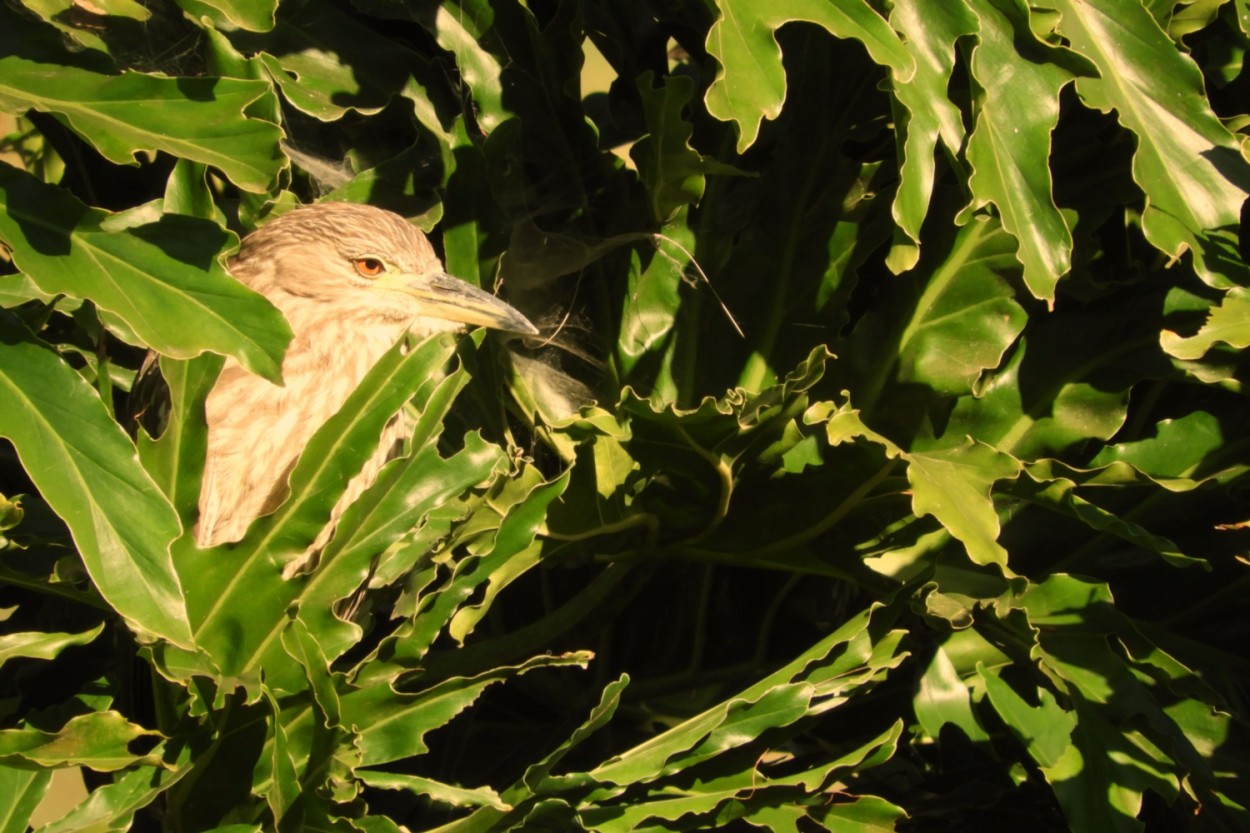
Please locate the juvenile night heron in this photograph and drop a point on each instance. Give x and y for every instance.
(351, 280)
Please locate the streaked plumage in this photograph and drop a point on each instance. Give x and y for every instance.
(351, 280)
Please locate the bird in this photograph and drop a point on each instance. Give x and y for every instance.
(351, 280)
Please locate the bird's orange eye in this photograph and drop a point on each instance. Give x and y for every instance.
(368, 267)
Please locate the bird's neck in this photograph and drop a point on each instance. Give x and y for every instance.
(334, 346)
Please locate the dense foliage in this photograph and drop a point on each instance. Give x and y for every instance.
(883, 465)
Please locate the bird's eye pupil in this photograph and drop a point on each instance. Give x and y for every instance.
(368, 267)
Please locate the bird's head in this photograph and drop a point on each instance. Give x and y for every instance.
(367, 262)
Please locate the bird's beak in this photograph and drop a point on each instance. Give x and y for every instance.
(447, 297)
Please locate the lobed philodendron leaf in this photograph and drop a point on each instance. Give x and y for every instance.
(848, 661)
(942, 697)
(69, 18)
(1060, 495)
(1189, 165)
(412, 489)
(161, 278)
(672, 171)
(327, 62)
(1044, 729)
(502, 546)
(39, 645)
(1229, 322)
(1123, 742)
(966, 315)
(749, 792)
(930, 31)
(953, 485)
(256, 15)
(1179, 448)
(460, 33)
(98, 740)
(431, 790)
(175, 460)
(393, 724)
(1011, 140)
(101, 109)
(1103, 774)
(87, 470)
(750, 85)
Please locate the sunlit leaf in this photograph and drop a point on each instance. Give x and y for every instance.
(751, 84)
(930, 31)
(943, 698)
(954, 486)
(101, 109)
(88, 469)
(162, 278)
(99, 740)
(228, 14)
(1189, 165)
(1045, 729)
(1229, 323)
(22, 792)
(42, 645)
(1014, 124)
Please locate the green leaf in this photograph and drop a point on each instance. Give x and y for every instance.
(1228, 323)
(1178, 448)
(750, 85)
(1010, 144)
(942, 697)
(864, 814)
(954, 485)
(403, 498)
(1102, 775)
(848, 660)
(929, 31)
(101, 109)
(1061, 495)
(256, 15)
(671, 170)
(462, 30)
(536, 775)
(514, 552)
(394, 724)
(1065, 383)
(650, 310)
(950, 320)
(504, 527)
(21, 791)
(447, 794)
(965, 318)
(162, 278)
(284, 787)
(87, 470)
(175, 460)
(99, 740)
(1044, 729)
(327, 62)
(1189, 165)
(42, 645)
(112, 807)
